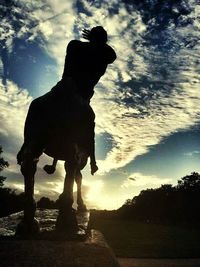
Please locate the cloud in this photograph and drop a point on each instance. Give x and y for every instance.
(49, 23)
(14, 106)
(192, 153)
(133, 135)
(56, 26)
(148, 93)
(146, 181)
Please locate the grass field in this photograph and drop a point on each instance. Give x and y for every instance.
(140, 240)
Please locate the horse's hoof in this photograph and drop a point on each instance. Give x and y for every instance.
(94, 168)
(27, 229)
(50, 169)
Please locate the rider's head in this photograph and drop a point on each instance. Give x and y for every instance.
(98, 35)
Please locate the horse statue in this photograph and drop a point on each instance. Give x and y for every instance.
(64, 134)
(61, 125)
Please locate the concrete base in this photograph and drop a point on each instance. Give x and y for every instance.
(93, 252)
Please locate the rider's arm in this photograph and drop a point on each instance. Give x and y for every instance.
(71, 55)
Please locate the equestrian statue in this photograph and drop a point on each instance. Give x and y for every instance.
(61, 124)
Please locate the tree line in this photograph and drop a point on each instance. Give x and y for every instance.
(10, 202)
(166, 204)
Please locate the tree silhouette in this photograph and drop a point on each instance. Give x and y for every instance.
(10, 202)
(3, 164)
(46, 203)
(167, 204)
(190, 182)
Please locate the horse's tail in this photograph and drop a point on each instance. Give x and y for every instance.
(50, 169)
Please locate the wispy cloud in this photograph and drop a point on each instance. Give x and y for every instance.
(49, 23)
(14, 106)
(192, 153)
(140, 180)
(148, 93)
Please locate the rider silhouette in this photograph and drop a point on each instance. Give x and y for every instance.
(85, 63)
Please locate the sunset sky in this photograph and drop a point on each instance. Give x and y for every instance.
(147, 104)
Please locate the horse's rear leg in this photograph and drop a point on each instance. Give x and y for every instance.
(29, 224)
(80, 203)
(66, 220)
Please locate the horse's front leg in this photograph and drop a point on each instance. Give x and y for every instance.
(29, 225)
(66, 220)
(81, 206)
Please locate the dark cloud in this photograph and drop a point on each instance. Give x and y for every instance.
(162, 12)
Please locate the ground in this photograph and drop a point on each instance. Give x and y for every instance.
(142, 240)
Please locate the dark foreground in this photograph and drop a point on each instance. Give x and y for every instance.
(130, 239)
(128, 262)
(93, 252)
(135, 244)
(51, 248)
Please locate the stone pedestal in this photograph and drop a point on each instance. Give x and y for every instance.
(51, 248)
(93, 252)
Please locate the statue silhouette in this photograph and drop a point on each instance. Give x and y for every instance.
(61, 125)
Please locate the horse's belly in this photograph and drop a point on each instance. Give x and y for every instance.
(56, 124)
(58, 144)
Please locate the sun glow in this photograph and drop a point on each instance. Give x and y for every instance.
(94, 194)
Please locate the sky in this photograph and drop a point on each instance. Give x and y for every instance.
(147, 104)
